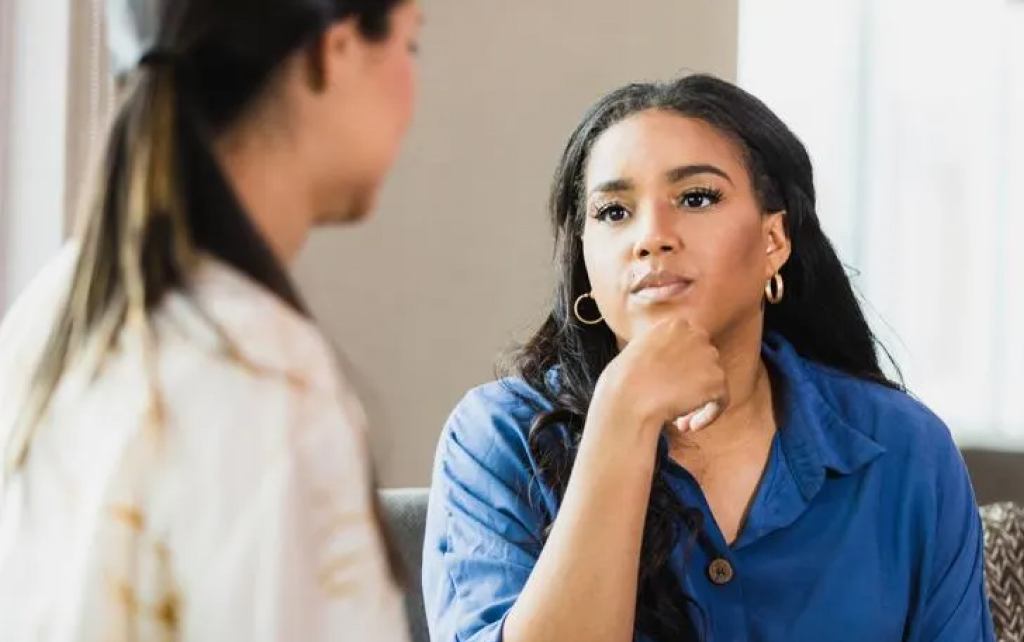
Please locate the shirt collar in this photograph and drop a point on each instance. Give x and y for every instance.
(814, 436)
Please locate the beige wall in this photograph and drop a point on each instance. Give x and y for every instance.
(90, 102)
(456, 263)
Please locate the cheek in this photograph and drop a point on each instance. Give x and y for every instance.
(387, 115)
(606, 271)
(402, 88)
(738, 260)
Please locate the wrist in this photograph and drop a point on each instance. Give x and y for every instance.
(615, 450)
(623, 423)
(620, 411)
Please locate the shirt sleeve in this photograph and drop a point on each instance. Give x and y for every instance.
(953, 605)
(484, 526)
(301, 557)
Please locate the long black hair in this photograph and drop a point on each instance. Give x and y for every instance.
(820, 315)
(160, 198)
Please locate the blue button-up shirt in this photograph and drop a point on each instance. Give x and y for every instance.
(864, 528)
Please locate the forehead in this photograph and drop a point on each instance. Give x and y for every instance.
(653, 141)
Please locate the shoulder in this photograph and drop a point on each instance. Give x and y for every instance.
(485, 443)
(268, 407)
(509, 401)
(920, 479)
(920, 456)
(858, 409)
(238, 433)
(26, 324)
(497, 414)
(485, 472)
(893, 418)
(25, 331)
(263, 331)
(231, 355)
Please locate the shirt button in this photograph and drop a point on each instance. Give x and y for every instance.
(720, 571)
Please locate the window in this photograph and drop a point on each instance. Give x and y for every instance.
(32, 137)
(913, 112)
(54, 100)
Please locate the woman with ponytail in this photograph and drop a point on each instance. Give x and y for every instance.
(183, 459)
(699, 442)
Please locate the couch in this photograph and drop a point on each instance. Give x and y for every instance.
(998, 480)
(405, 511)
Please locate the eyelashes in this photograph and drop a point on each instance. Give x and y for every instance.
(611, 213)
(694, 199)
(700, 198)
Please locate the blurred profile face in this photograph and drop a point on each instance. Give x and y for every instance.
(673, 227)
(362, 112)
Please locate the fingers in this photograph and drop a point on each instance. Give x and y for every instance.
(699, 419)
(682, 424)
(705, 416)
(716, 392)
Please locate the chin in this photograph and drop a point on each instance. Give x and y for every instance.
(357, 207)
(663, 311)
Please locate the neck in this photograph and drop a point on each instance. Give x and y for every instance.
(749, 413)
(263, 172)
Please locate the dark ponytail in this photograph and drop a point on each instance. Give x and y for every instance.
(135, 245)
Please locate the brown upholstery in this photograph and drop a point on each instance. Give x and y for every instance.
(1004, 568)
(997, 476)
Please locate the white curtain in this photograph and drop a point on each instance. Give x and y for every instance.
(6, 87)
(34, 95)
(55, 99)
(913, 111)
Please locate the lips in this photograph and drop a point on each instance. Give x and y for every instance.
(660, 286)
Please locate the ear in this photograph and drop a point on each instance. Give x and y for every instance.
(776, 242)
(335, 56)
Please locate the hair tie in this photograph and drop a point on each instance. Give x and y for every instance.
(157, 58)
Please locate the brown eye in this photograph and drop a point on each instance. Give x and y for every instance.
(700, 199)
(612, 213)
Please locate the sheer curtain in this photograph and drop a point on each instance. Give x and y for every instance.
(34, 97)
(55, 98)
(6, 90)
(913, 111)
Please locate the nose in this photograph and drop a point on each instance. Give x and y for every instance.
(658, 235)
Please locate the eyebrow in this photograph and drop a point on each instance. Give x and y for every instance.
(673, 175)
(686, 171)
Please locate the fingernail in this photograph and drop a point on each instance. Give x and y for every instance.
(704, 416)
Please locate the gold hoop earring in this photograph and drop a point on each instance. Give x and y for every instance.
(774, 289)
(579, 317)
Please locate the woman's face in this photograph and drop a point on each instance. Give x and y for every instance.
(673, 228)
(363, 111)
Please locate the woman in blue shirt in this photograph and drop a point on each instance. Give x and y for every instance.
(698, 443)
